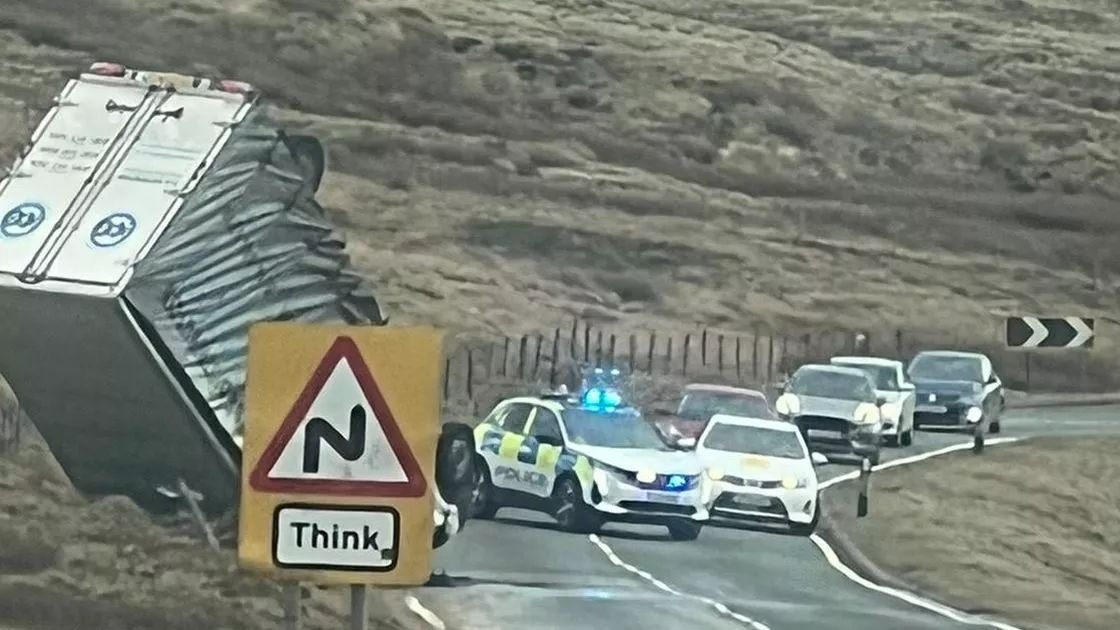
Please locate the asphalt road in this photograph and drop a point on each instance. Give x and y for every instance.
(518, 572)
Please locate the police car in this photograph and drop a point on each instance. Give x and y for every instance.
(586, 460)
(762, 471)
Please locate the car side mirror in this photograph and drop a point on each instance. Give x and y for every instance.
(550, 440)
(907, 387)
(818, 459)
(993, 379)
(881, 400)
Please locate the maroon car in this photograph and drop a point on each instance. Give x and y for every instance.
(702, 401)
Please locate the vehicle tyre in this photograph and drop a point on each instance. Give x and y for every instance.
(907, 437)
(806, 529)
(569, 510)
(994, 427)
(684, 530)
(893, 440)
(483, 503)
(440, 537)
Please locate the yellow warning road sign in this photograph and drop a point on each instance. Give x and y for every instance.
(338, 458)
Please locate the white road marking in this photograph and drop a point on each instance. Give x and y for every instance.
(910, 598)
(424, 613)
(940, 609)
(902, 461)
(720, 607)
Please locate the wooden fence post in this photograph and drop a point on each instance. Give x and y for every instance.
(770, 359)
(738, 358)
(754, 355)
(704, 347)
(669, 356)
(898, 342)
(537, 357)
(684, 354)
(649, 354)
(505, 359)
(633, 350)
(555, 359)
(586, 342)
(612, 351)
(719, 354)
(447, 379)
(470, 374)
(522, 353)
(599, 348)
(572, 342)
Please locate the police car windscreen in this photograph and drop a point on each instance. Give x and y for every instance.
(611, 430)
(935, 368)
(736, 438)
(704, 405)
(830, 385)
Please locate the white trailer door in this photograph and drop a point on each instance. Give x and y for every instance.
(175, 148)
(66, 150)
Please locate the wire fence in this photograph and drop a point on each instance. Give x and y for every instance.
(479, 371)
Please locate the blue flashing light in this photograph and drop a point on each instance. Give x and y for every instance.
(602, 397)
(676, 482)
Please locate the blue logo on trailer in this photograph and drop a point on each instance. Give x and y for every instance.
(22, 220)
(113, 230)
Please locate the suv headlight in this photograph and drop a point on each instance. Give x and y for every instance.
(602, 473)
(790, 482)
(974, 414)
(866, 413)
(890, 411)
(787, 405)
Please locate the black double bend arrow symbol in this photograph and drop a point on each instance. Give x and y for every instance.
(348, 448)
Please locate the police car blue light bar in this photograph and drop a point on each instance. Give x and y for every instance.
(602, 397)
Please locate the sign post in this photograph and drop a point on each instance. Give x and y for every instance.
(339, 456)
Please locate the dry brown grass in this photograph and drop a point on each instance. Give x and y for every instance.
(1027, 532)
(66, 562)
(823, 171)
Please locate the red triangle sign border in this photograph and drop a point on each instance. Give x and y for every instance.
(343, 349)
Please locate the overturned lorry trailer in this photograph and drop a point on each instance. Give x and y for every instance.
(149, 222)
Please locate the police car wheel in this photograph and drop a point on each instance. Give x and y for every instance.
(907, 438)
(483, 504)
(685, 530)
(994, 427)
(569, 510)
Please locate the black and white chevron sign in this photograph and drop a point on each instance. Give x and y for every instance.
(1050, 332)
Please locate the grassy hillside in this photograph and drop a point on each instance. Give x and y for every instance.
(501, 164)
(991, 534)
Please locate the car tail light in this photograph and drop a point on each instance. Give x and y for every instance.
(107, 69)
(235, 87)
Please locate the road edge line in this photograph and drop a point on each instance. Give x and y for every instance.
(877, 579)
(1103, 400)
(420, 610)
(720, 607)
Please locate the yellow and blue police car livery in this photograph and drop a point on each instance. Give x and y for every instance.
(548, 459)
